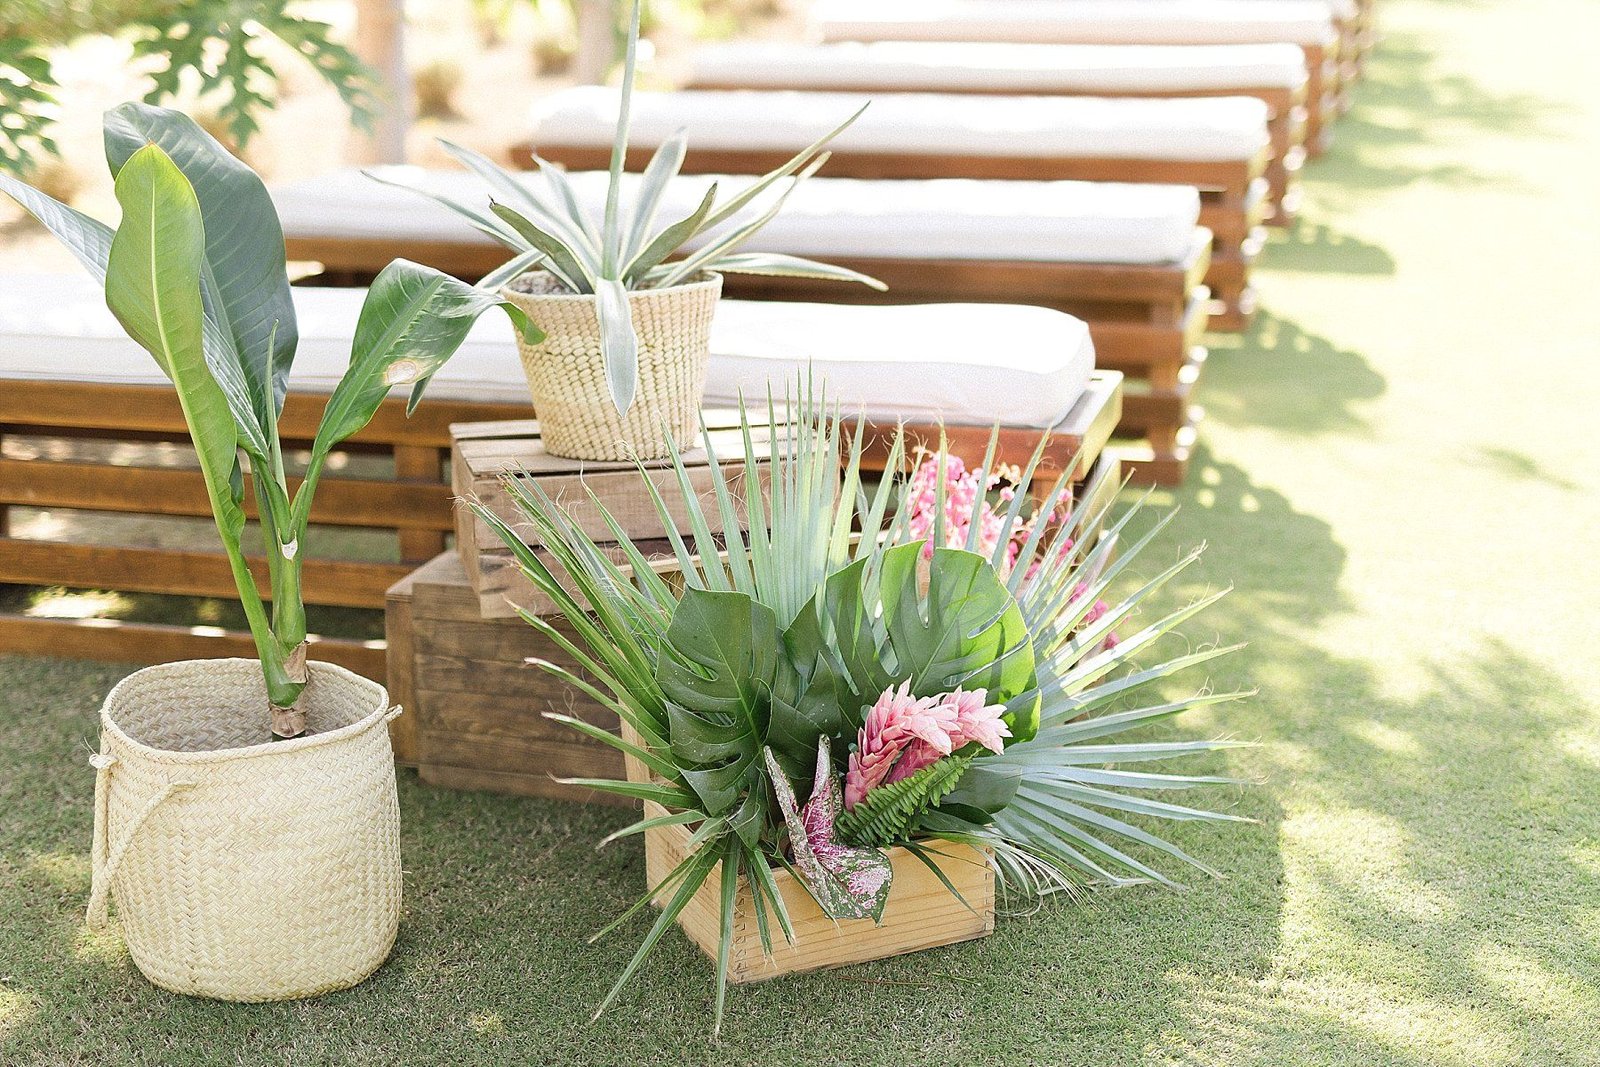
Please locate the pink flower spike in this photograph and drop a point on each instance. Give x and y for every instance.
(895, 725)
(977, 721)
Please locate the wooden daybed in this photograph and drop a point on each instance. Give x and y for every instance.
(1275, 74)
(1218, 145)
(1126, 259)
(1318, 27)
(80, 407)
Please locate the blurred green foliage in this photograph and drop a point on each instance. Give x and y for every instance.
(212, 47)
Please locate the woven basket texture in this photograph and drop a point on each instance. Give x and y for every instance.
(243, 868)
(567, 375)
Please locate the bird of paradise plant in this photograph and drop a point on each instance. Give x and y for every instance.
(915, 696)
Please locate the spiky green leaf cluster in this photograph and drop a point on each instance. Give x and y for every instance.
(892, 813)
(628, 250)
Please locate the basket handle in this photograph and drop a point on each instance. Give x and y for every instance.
(104, 859)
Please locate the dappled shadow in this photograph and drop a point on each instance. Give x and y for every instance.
(1510, 463)
(1283, 377)
(1408, 101)
(1444, 872)
(1319, 248)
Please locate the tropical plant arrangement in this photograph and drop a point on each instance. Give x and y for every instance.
(844, 679)
(621, 368)
(278, 875)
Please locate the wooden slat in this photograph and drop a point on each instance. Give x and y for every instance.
(854, 163)
(154, 408)
(381, 504)
(115, 641)
(184, 573)
(921, 911)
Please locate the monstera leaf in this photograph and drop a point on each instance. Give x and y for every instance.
(965, 632)
(717, 674)
(811, 695)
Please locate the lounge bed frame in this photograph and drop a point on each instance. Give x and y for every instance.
(414, 505)
(1233, 196)
(1147, 320)
(1287, 123)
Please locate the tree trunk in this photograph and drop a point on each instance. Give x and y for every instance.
(597, 42)
(380, 42)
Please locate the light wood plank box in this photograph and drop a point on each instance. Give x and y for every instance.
(921, 912)
(482, 454)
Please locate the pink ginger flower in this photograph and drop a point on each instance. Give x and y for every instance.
(896, 721)
(903, 734)
(977, 721)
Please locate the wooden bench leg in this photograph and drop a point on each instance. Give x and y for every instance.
(419, 463)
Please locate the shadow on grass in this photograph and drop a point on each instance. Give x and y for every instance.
(1410, 100)
(1314, 247)
(1283, 377)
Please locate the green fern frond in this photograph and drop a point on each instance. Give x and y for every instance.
(889, 813)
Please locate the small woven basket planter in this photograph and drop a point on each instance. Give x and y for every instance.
(242, 868)
(567, 375)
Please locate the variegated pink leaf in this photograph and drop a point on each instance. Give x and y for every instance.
(847, 883)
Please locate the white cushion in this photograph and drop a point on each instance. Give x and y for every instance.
(57, 326)
(961, 66)
(943, 218)
(1302, 22)
(965, 363)
(960, 363)
(1044, 127)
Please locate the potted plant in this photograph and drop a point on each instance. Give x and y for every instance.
(246, 821)
(621, 368)
(842, 715)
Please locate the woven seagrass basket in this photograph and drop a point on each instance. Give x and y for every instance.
(242, 868)
(567, 375)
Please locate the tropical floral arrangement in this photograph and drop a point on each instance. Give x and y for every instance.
(849, 676)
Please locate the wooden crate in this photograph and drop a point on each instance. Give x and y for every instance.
(921, 912)
(476, 708)
(482, 454)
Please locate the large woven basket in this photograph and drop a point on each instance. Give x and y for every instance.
(567, 375)
(243, 868)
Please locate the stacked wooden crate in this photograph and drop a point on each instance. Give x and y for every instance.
(459, 651)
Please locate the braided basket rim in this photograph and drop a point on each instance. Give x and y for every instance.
(702, 280)
(375, 718)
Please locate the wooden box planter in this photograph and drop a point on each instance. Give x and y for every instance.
(477, 707)
(921, 913)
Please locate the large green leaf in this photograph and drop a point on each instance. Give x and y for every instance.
(245, 285)
(717, 673)
(966, 631)
(153, 288)
(413, 320)
(89, 240)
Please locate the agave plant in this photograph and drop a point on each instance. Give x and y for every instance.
(195, 273)
(818, 639)
(548, 226)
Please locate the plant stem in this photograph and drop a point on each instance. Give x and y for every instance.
(290, 722)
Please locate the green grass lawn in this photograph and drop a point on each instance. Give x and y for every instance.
(1398, 475)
